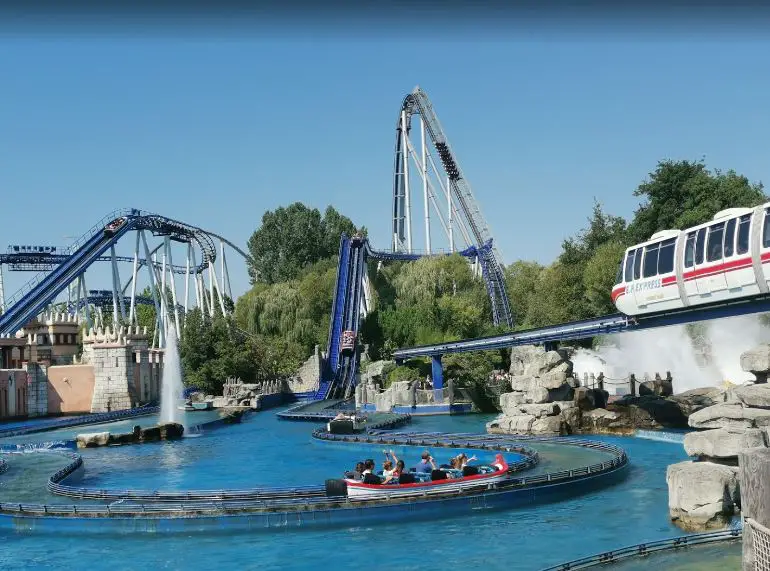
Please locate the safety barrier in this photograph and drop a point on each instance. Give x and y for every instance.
(272, 502)
(485, 442)
(66, 422)
(643, 549)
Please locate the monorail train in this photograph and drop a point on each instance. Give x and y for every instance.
(725, 258)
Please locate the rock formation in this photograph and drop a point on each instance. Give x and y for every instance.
(543, 390)
(704, 494)
(165, 431)
(547, 399)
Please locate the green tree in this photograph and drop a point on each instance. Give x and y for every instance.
(680, 194)
(521, 280)
(293, 238)
(599, 277)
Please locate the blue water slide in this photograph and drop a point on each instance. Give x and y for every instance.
(30, 305)
(335, 325)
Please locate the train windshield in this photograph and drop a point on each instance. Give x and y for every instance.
(619, 275)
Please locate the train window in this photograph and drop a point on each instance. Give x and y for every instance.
(700, 241)
(630, 266)
(638, 263)
(689, 250)
(714, 249)
(743, 233)
(729, 238)
(651, 260)
(766, 231)
(666, 257)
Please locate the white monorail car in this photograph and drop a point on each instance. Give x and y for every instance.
(725, 258)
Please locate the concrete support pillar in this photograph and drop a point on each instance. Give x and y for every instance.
(550, 346)
(754, 477)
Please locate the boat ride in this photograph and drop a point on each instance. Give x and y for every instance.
(415, 483)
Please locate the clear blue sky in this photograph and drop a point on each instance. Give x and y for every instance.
(215, 132)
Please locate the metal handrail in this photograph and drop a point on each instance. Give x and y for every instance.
(219, 505)
(647, 548)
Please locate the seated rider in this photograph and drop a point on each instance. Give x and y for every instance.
(388, 464)
(357, 473)
(426, 465)
(463, 460)
(396, 473)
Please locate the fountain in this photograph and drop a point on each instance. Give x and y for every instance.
(172, 389)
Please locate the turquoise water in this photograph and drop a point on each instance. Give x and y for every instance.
(266, 451)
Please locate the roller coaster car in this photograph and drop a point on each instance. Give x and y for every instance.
(357, 239)
(348, 341)
(113, 226)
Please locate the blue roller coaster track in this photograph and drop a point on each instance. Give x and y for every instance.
(338, 376)
(45, 286)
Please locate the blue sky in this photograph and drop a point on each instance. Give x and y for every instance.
(215, 132)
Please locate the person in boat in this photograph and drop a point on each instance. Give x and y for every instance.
(368, 467)
(357, 473)
(426, 465)
(463, 460)
(451, 466)
(389, 465)
(396, 473)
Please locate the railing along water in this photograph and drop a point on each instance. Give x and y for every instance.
(647, 548)
(214, 503)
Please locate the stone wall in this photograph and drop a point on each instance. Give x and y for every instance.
(308, 375)
(704, 493)
(70, 388)
(37, 389)
(113, 367)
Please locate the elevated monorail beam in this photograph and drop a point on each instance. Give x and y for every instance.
(606, 325)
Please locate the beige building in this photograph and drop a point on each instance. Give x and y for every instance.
(41, 372)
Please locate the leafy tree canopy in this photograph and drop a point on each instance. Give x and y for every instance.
(293, 238)
(680, 194)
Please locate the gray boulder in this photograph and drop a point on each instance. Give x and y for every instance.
(92, 439)
(542, 363)
(729, 416)
(522, 383)
(540, 410)
(548, 425)
(755, 395)
(572, 417)
(552, 379)
(757, 361)
(702, 495)
(722, 443)
(537, 395)
(519, 424)
(522, 355)
(697, 399)
(509, 403)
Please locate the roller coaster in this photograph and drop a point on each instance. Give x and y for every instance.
(65, 272)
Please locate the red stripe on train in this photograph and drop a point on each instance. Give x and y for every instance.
(732, 265)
